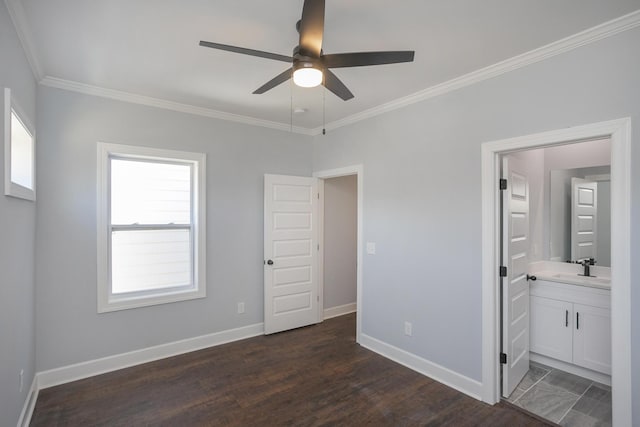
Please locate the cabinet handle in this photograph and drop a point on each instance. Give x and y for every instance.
(577, 320)
(566, 318)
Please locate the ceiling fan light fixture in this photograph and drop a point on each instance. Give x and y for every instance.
(307, 76)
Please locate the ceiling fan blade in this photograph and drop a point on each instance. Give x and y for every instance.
(244, 51)
(360, 59)
(280, 78)
(312, 27)
(333, 83)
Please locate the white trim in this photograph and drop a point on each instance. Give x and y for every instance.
(357, 170)
(571, 368)
(18, 17)
(29, 404)
(103, 365)
(106, 301)
(321, 315)
(339, 310)
(591, 35)
(432, 370)
(166, 104)
(588, 36)
(620, 133)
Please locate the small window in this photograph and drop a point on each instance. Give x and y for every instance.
(19, 152)
(151, 233)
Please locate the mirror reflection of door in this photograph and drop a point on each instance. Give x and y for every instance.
(561, 237)
(584, 225)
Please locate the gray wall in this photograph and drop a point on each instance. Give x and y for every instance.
(68, 328)
(340, 240)
(422, 203)
(17, 243)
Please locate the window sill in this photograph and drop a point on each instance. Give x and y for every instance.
(106, 305)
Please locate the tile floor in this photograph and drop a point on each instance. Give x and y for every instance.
(563, 398)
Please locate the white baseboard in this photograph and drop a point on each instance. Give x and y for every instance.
(432, 370)
(29, 404)
(340, 310)
(91, 368)
(572, 369)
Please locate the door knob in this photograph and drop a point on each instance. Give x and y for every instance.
(270, 262)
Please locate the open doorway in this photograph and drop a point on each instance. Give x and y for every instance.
(619, 133)
(339, 248)
(340, 234)
(556, 305)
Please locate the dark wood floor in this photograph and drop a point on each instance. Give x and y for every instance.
(313, 376)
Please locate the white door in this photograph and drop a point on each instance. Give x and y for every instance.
(584, 210)
(290, 252)
(515, 286)
(592, 338)
(552, 328)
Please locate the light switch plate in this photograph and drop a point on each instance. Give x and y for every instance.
(371, 248)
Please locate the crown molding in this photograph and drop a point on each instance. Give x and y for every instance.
(19, 19)
(167, 105)
(591, 35)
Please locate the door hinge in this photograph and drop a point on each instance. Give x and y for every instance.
(318, 196)
(503, 271)
(503, 358)
(503, 184)
(318, 246)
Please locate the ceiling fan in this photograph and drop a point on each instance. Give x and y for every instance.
(310, 66)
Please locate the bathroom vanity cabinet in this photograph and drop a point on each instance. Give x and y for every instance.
(571, 323)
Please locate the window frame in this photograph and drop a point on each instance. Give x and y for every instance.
(11, 188)
(107, 301)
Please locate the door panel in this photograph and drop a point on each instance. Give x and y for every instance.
(515, 286)
(290, 252)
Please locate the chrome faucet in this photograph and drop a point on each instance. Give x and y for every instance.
(587, 263)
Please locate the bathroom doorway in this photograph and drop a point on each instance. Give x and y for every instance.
(556, 317)
(618, 131)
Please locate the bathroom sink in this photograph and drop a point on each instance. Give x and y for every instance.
(584, 280)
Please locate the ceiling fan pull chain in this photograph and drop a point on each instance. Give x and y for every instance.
(324, 110)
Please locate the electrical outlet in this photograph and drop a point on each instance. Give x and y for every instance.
(240, 307)
(21, 379)
(407, 329)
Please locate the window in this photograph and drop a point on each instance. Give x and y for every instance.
(19, 152)
(151, 230)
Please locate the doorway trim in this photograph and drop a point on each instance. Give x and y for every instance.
(619, 131)
(335, 173)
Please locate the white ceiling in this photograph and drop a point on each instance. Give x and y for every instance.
(150, 47)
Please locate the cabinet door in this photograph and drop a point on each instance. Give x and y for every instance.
(592, 338)
(552, 328)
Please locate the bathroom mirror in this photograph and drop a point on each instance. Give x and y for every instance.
(580, 215)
